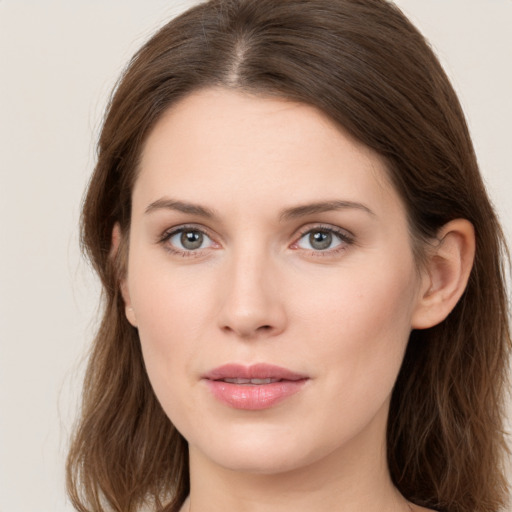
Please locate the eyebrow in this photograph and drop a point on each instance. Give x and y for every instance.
(320, 207)
(180, 206)
(287, 214)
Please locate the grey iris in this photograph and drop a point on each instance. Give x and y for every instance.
(320, 240)
(191, 240)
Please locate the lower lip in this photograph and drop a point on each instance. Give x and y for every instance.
(254, 397)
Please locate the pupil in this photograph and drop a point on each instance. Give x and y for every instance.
(320, 240)
(191, 240)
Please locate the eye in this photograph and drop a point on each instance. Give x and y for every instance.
(188, 240)
(323, 239)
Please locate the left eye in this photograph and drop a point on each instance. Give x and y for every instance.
(320, 240)
(190, 240)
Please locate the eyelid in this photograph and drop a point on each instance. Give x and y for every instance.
(168, 232)
(342, 232)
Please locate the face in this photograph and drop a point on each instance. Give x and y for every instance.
(271, 279)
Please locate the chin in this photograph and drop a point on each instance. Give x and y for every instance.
(257, 462)
(263, 451)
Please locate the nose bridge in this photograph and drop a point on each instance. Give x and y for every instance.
(251, 300)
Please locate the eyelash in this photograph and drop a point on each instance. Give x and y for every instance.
(344, 237)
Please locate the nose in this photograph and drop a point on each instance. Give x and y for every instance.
(252, 304)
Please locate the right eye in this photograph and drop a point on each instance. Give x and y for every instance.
(187, 240)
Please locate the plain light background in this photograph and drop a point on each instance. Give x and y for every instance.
(58, 63)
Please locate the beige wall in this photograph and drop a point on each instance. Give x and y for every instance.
(58, 61)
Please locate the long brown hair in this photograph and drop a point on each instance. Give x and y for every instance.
(364, 65)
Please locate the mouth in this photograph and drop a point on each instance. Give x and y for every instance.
(260, 373)
(255, 382)
(254, 387)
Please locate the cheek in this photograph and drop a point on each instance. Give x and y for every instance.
(361, 300)
(165, 299)
(170, 313)
(361, 322)
(169, 331)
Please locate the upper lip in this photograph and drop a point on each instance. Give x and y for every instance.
(254, 371)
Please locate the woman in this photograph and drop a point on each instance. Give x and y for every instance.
(305, 303)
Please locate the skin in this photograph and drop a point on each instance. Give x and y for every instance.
(257, 290)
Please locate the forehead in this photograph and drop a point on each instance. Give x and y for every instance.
(221, 144)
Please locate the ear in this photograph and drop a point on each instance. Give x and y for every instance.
(446, 273)
(117, 240)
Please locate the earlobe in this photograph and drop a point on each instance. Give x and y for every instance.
(130, 315)
(128, 308)
(123, 285)
(446, 273)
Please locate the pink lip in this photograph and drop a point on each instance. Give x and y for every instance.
(253, 396)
